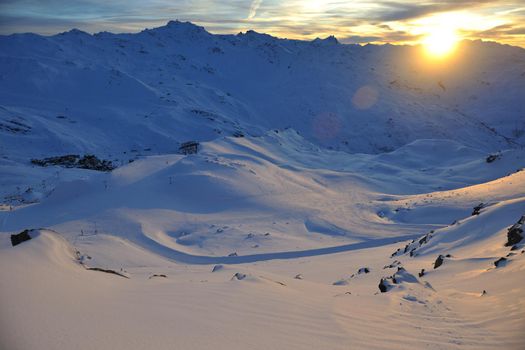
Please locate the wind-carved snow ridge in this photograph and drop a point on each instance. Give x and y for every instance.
(179, 189)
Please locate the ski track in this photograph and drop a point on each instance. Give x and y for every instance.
(181, 257)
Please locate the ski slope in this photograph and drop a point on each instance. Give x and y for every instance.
(322, 170)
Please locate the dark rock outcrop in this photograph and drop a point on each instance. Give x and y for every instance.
(401, 276)
(439, 261)
(88, 161)
(384, 286)
(477, 208)
(91, 162)
(492, 157)
(395, 263)
(515, 233)
(18, 238)
(190, 147)
(217, 268)
(239, 276)
(500, 262)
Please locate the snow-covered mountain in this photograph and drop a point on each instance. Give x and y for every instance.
(341, 196)
(109, 93)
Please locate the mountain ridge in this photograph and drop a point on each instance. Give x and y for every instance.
(343, 89)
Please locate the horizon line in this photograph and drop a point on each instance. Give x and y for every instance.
(339, 41)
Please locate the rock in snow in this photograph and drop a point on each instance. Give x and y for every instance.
(477, 208)
(384, 285)
(239, 276)
(18, 238)
(515, 232)
(217, 268)
(439, 261)
(500, 262)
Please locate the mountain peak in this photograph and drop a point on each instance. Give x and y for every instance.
(253, 35)
(186, 26)
(76, 32)
(330, 40)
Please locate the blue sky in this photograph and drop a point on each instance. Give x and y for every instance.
(359, 21)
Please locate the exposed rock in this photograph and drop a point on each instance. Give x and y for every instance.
(299, 276)
(493, 157)
(158, 275)
(233, 254)
(88, 161)
(18, 238)
(384, 285)
(395, 263)
(190, 147)
(239, 276)
(68, 161)
(439, 261)
(91, 162)
(363, 270)
(402, 275)
(477, 209)
(421, 273)
(217, 268)
(395, 253)
(515, 233)
(424, 239)
(500, 262)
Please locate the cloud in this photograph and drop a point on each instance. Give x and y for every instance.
(253, 8)
(390, 36)
(507, 33)
(359, 39)
(394, 21)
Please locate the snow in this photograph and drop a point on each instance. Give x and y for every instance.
(322, 169)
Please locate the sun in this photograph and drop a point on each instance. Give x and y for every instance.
(440, 42)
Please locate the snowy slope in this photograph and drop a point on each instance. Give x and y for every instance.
(322, 170)
(113, 93)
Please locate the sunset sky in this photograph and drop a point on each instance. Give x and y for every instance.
(360, 21)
